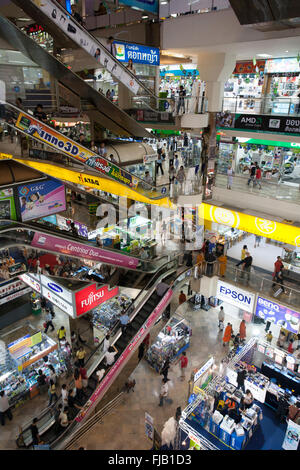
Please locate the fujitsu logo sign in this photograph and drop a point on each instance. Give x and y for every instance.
(92, 298)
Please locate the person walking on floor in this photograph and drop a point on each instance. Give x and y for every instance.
(52, 392)
(241, 376)
(242, 330)
(4, 408)
(252, 173)
(80, 355)
(243, 252)
(36, 440)
(159, 163)
(164, 389)
(222, 260)
(183, 365)
(246, 266)
(221, 317)
(230, 174)
(165, 368)
(61, 334)
(278, 265)
(227, 334)
(124, 320)
(258, 176)
(182, 297)
(48, 321)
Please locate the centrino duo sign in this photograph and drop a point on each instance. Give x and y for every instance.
(235, 296)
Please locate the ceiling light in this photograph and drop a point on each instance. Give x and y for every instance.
(286, 51)
(145, 17)
(263, 55)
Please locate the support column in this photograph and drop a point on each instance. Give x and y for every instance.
(124, 97)
(214, 69)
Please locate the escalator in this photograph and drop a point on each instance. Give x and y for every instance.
(110, 116)
(147, 310)
(25, 123)
(56, 19)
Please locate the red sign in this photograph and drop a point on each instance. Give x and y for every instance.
(89, 297)
(249, 67)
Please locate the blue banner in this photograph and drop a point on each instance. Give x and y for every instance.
(138, 54)
(147, 5)
(277, 314)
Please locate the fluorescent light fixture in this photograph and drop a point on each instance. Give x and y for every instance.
(145, 17)
(263, 55)
(286, 51)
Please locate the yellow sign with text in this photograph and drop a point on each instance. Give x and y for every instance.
(249, 223)
(96, 182)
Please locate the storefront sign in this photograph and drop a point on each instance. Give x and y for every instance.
(285, 64)
(137, 53)
(15, 295)
(35, 285)
(147, 5)
(248, 67)
(87, 42)
(67, 247)
(235, 296)
(292, 436)
(203, 369)
(90, 297)
(124, 357)
(56, 288)
(41, 199)
(58, 301)
(11, 287)
(277, 314)
(249, 223)
(49, 136)
(257, 123)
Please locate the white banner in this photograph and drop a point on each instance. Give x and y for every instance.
(292, 436)
(235, 296)
(57, 289)
(11, 287)
(15, 295)
(86, 42)
(35, 285)
(66, 307)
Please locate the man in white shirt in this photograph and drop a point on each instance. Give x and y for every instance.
(63, 418)
(4, 408)
(64, 394)
(221, 317)
(100, 373)
(106, 343)
(110, 356)
(163, 391)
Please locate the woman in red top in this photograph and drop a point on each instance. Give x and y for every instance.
(258, 176)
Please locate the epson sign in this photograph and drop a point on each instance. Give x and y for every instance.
(235, 296)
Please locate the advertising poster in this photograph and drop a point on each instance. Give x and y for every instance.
(257, 123)
(277, 314)
(147, 5)
(7, 205)
(90, 297)
(235, 296)
(138, 54)
(41, 199)
(292, 436)
(49, 136)
(61, 245)
(88, 43)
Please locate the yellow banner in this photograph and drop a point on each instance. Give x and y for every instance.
(96, 182)
(249, 223)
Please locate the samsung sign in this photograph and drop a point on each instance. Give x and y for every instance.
(235, 296)
(54, 287)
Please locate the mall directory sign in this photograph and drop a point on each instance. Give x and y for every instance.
(51, 137)
(87, 42)
(259, 123)
(277, 314)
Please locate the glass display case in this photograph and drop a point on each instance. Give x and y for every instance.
(170, 342)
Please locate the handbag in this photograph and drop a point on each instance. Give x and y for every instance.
(45, 324)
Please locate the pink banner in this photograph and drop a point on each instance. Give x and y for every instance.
(125, 356)
(80, 250)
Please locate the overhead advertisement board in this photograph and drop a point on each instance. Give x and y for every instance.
(147, 5)
(259, 123)
(137, 53)
(280, 315)
(236, 296)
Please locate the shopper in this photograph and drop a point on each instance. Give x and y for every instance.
(279, 280)
(52, 373)
(52, 392)
(76, 15)
(39, 113)
(124, 320)
(230, 174)
(176, 162)
(61, 334)
(48, 322)
(222, 260)
(78, 384)
(63, 417)
(221, 317)
(130, 67)
(106, 343)
(80, 355)
(41, 380)
(248, 399)
(148, 180)
(100, 373)
(227, 334)
(159, 163)
(241, 376)
(182, 297)
(85, 379)
(278, 265)
(4, 408)
(269, 336)
(36, 440)
(181, 177)
(163, 391)
(64, 394)
(243, 252)
(252, 173)
(258, 176)
(257, 240)
(243, 330)
(110, 355)
(172, 174)
(72, 403)
(144, 256)
(246, 266)
(291, 346)
(183, 365)
(165, 368)
(181, 99)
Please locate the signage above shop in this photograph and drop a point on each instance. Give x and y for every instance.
(248, 67)
(249, 223)
(235, 296)
(278, 314)
(257, 123)
(90, 297)
(56, 288)
(203, 369)
(286, 64)
(137, 53)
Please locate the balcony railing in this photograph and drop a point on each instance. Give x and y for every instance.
(287, 106)
(173, 8)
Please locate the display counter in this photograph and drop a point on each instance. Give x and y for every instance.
(256, 382)
(285, 378)
(107, 315)
(20, 364)
(170, 342)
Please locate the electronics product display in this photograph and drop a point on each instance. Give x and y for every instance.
(256, 382)
(106, 316)
(170, 342)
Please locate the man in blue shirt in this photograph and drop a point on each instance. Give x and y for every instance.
(124, 320)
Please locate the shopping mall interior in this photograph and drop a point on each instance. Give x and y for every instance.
(150, 226)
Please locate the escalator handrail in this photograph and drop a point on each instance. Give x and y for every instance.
(101, 46)
(90, 152)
